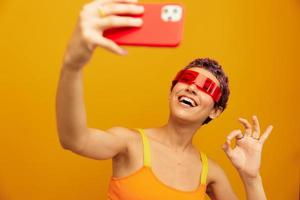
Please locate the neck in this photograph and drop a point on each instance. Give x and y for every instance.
(178, 136)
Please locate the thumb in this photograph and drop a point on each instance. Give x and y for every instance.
(226, 147)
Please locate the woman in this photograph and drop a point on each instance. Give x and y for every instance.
(155, 163)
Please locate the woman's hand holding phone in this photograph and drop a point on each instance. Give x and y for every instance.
(88, 33)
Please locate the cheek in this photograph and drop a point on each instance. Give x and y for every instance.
(206, 100)
(179, 86)
(176, 89)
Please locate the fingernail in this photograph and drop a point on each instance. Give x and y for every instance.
(140, 8)
(139, 21)
(123, 52)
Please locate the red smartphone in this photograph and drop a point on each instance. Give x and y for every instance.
(162, 27)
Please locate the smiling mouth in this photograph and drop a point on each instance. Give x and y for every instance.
(187, 102)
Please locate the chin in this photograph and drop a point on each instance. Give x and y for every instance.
(190, 115)
(183, 115)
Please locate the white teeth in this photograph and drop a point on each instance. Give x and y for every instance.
(188, 99)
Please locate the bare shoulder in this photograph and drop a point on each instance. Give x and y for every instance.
(130, 135)
(129, 161)
(124, 132)
(218, 185)
(215, 172)
(214, 169)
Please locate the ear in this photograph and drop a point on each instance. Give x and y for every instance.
(216, 112)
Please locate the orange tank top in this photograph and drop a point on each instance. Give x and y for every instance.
(144, 185)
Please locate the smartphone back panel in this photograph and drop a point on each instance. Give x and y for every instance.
(162, 26)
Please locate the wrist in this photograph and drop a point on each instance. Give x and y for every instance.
(71, 62)
(77, 54)
(251, 180)
(71, 67)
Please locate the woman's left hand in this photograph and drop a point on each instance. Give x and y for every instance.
(246, 155)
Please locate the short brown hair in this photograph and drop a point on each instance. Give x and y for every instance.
(216, 69)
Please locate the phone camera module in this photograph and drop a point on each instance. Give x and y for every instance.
(171, 13)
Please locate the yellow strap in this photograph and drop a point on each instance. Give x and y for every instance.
(147, 160)
(204, 167)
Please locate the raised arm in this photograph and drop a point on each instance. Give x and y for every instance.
(71, 116)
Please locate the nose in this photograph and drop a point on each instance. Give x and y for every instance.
(192, 88)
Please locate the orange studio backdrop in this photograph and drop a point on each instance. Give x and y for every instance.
(257, 43)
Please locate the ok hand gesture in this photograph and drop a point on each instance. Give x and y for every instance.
(246, 155)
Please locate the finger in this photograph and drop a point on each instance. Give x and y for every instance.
(92, 7)
(115, 9)
(117, 21)
(227, 148)
(235, 134)
(264, 137)
(256, 126)
(125, 1)
(112, 46)
(247, 125)
(107, 44)
(227, 145)
(114, 1)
